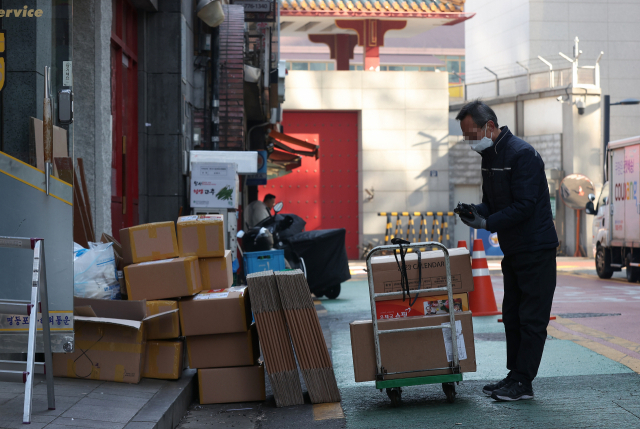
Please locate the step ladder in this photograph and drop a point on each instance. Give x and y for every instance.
(18, 371)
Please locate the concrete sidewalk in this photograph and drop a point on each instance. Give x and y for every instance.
(151, 404)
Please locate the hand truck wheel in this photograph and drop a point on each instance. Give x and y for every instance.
(449, 389)
(395, 394)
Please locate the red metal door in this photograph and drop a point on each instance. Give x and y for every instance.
(323, 192)
(124, 111)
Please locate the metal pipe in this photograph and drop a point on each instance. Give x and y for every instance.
(551, 80)
(528, 75)
(605, 134)
(497, 82)
(47, 126)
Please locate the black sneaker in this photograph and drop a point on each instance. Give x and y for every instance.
(514, 391)
(489, 388)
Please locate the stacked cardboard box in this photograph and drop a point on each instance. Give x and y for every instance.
(416, 350)
(278, 355)
(223, 345)
(165, 349)
(155, 270)
(285, 313)
(110, 341)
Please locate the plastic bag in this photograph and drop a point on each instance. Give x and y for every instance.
(94, 272)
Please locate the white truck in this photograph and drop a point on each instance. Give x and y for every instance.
(616, 225)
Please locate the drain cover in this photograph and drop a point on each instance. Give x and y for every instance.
(582, 315)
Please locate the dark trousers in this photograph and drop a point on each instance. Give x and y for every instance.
(529, 284)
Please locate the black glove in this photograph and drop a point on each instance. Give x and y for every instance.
(469, 216)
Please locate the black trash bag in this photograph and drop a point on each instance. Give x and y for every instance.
(325, 257)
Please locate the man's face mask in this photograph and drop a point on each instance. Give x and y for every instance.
(482, 144)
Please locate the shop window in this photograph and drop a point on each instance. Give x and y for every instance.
(300, 66)
(317, 66)
(411, 68)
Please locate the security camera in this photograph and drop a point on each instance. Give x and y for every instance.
(580, 106)
(560, 100)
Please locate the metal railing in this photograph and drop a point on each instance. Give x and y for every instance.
(545, 77)
(438, 221)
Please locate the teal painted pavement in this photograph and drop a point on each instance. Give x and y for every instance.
(575, 386)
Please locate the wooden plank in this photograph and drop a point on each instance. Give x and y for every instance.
(87, 202)
(79, 232)
(64, 168)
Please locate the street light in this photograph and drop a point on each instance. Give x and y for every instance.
(607, 117)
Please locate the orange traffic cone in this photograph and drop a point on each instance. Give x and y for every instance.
(482, 301)
(462, 243)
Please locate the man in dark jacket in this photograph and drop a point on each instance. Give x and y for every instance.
(515, 205)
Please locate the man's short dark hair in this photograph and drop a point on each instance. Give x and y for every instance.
(479, 112)
(268, 197)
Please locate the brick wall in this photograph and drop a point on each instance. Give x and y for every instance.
(231, 113)
(464, 164)
(549, 146)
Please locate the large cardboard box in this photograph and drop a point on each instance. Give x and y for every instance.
(149, 242)
(109, 341)
(411, 351)
(169, 278)
(223, 350)
(386, 275)
(163, 360)
(201, 236)
(217, 273)
(227, 385)
(168, 325)
(214, 185)
(423, 306)
(216, 312)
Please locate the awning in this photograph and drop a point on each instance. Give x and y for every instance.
(280, 139)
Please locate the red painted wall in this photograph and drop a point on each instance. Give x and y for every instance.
(323, 192)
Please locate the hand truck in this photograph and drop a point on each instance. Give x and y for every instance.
(394, 387)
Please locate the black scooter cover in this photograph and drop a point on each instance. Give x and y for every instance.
(325, 257)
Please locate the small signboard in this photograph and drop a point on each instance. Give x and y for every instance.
(254, 5)
(258, 10)
(260, 178)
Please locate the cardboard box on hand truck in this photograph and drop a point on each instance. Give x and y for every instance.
(413, 350)
(109, 341)
(169, 278)
(423, 306)
(386, 275)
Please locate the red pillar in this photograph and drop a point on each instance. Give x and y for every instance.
(370, 36)
(340, 47)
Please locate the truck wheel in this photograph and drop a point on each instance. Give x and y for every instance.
(633, 274)
(603, 267)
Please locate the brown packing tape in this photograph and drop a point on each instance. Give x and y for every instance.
(126, 280)
(200, 386)
(110, 347)
(192, 269)
(119, 375)
(160, 306)
(153, 350)
(152, 233)
(204, 273)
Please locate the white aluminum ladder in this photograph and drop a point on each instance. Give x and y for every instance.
(18, 371)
